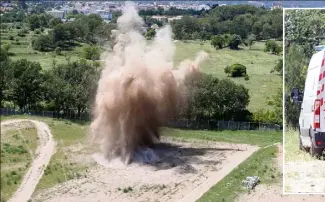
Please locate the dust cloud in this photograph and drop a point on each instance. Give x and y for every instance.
(139, 89)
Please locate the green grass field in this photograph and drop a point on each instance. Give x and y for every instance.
(230, 187)
(17, 146)
(262, 84)
(291, 148)
(24, 50)
(69, 134)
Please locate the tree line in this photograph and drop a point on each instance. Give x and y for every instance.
(64, 87)
(85, 28)
(242, 20)
(72, 86)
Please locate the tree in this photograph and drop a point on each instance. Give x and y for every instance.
(33, 22)
(25, 88)
(6, 74)
(91, 53)
(304, 28)
(267, 31)
(209, 97)
(54, 21)
(69, 86)
(234, 41)
(295, 74)
(273, 47)
(42, 43)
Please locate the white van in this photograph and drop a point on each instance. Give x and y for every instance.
(312, 113)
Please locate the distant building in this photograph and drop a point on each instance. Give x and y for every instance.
(276, 6)
(56, 13)
(175, 18)
(105, 15)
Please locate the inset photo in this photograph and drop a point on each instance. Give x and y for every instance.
(304, 136)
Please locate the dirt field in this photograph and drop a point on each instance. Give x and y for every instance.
(273, 193)
(186, 171)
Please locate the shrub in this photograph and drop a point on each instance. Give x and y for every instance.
(42, 43)
(273, 47)
(227, 70)
(234, 41)
(21, 34)
(246, 77)
(91, 53)
(11, 37)
(264, 116)
(58, 51)
(236, 70)
(218, 41)
(37, 31)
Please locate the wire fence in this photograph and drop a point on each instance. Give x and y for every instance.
(173, 123)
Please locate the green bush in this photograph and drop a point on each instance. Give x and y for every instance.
(22, 33)
(236, 70)
(11, 38)
(265, 116)
(218, 41)
(273, 47)
(10, 149)
(91, 53)
(37, 31)
(42, 43)
(58, 51)
(246, 77)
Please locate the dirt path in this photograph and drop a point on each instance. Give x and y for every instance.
(273, 193)
(44, 151)
(187, 170)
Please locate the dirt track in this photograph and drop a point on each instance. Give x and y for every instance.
(186, 172)
(45, 150)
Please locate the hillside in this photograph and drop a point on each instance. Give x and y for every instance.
(261, 84)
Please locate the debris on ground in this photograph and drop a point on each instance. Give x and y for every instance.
(250, 182)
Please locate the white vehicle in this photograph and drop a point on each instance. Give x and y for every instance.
(312, 113)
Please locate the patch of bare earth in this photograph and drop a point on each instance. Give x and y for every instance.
(186, 170)
(305, 176)
(273, 192)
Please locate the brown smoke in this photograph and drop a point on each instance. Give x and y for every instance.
(138, 90)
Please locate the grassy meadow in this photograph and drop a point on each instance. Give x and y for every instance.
(17, 150)
(262, 84)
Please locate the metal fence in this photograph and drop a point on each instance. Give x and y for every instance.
(179, 123)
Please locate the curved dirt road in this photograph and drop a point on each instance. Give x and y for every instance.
(45, 150)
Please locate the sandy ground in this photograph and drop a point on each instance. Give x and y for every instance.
(305, 176)
(273, 193)
(186, 171)
(44, 151)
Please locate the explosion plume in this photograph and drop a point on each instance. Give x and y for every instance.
(138, 90)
